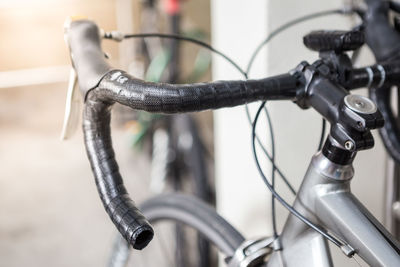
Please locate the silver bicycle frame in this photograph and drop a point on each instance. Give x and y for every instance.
(325, 199)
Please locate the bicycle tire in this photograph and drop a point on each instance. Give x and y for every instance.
(191, 212)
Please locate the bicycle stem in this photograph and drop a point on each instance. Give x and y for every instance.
(351, 117)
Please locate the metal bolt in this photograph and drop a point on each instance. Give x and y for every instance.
(349, 145)
(360, 104)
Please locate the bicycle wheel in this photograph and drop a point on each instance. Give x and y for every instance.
(164, 212)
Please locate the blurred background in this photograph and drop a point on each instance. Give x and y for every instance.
(50, 213)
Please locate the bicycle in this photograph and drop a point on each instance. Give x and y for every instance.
(324, 210)
(178, 159)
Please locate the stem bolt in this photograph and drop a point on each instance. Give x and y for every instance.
(349, 145)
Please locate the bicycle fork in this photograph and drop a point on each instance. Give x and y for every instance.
(325, 199)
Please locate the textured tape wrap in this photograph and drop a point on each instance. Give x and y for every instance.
(102, 87)
(118, 86)
(121, 209)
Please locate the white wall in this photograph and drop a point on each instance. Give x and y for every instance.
(235, 170)
(238, 26)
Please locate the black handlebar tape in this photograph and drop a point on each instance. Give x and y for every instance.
(391, 132)
(121, 209)
(380, 36)
(88, 59)
(83, 37)
(118, 86)
(102, 87)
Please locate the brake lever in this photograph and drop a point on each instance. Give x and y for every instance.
(73, 107)
(74, 101)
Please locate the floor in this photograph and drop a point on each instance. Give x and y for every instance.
(50, 213)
